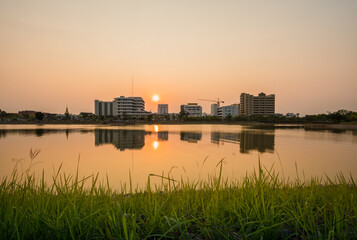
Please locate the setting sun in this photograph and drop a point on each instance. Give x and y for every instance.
(155, 98)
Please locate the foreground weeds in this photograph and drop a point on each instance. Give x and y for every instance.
(260, 206)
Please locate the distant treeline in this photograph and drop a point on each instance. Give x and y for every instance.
(333, 117)
(330, 117)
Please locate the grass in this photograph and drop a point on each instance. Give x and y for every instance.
(260, 206)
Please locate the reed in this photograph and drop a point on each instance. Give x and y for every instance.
(259, 206)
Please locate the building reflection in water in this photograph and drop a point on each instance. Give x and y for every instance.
(218, 137)
(247, 140)
(191, 137)
(122, 139)
(163, 136)
(257, 141)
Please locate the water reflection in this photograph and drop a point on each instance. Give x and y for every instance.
(247, 140)
(158, 149)
(39, 132)
(156, 128)
(219, 137)
(155, 144)
(256, 141)
(122, 139)
(163, 136)
(191, 137)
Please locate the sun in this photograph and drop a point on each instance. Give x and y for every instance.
(155, 98)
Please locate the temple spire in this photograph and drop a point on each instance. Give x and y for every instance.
(67, 112)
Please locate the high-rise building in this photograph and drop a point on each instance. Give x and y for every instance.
(163, 109)
(102, 108)
(192, 109)
(129, 106)
(246, 104)
(121, 106)
(214, 109)
(264, 104)
(257, 105)
(225, 111)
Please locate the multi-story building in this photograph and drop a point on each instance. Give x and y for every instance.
(192, 109)
(129, 106)
(264, 104)
(246, 104)
(214, 109)
(257, 105)
(102, 108)
(121, 106)
(225, 111)
(163, 109)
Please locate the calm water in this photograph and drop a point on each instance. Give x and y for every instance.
(188, 151)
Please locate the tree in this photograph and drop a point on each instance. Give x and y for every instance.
(183, 114)
(39, 115)
(228, 117)
(338, 116)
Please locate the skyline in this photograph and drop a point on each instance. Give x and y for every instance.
(70, 53)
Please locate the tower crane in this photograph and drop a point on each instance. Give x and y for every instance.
(217, 101)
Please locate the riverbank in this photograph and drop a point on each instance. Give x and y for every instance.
(256, 125)
(259, 206)
(322, 126)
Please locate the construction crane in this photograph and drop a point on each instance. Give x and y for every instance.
(217, 101)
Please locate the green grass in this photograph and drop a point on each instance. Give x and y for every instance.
(260, 206)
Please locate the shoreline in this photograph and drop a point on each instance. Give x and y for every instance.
(307, 126)
(322, 126)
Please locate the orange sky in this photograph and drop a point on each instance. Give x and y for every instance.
(54, 53)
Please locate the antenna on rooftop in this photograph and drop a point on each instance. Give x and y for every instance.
(132, 85)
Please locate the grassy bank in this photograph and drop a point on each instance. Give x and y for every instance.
(260, 206)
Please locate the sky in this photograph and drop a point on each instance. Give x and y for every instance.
(58, 53)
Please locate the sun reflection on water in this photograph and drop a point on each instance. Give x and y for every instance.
(156, 128)
(155, 144)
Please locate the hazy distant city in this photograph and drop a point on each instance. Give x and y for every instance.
(135, 107)
(259, 108)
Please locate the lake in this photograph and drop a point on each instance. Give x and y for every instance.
(190, 152)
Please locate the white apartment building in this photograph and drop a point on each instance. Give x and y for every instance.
(192, 109)
(257, 105)
(163, 109)
(121, 106)
(224, 111)
(129, 106)
(232, 110)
